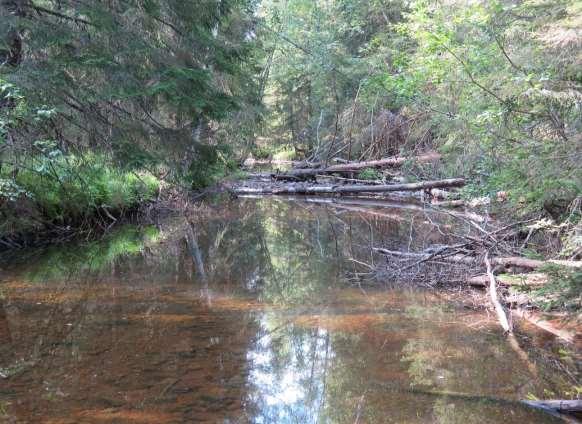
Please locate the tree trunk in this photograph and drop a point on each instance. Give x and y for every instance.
(563, 406)
(472, 260)
(343, 189)
(347, 168)
(533, 279)
(12, 54)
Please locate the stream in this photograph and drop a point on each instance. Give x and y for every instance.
(263, 311)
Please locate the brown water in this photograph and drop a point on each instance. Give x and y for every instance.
(252, 314)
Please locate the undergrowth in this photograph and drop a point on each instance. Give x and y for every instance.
(370, 174)
(67, 191)
(562, 291)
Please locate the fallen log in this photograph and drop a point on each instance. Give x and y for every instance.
(562, 406)
(358, 166)
(534, 263)
(501, 315)
(301, 188)
(468, 397)
(297, 164)
(461, 259)
(472, 260)
(533, 279)
(449, 203)
(444, 195)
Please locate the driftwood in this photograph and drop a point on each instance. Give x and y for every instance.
(301, 188)
(471, 260)
(532, 279)
(562, 406)
(501, 316)
(347, 168)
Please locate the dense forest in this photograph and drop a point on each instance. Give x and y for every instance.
(104, 105)
(291, 211)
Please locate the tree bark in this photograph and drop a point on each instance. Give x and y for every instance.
(501, 315)
(12, 54)
(471, 260)
(301, 188)
(563, 406)
(347, 168)
(533, 279)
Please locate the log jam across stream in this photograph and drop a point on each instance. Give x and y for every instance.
(263, 310)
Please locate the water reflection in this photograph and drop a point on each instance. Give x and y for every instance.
(249, 313)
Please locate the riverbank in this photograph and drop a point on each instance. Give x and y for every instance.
(529, 264)
(47, 201)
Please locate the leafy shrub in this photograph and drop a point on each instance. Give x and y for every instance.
(285, 153)
(260, 152)
(370, 174)
(563, 289)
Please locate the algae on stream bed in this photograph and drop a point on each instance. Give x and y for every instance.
(248, 315)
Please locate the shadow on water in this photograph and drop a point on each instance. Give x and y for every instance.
(250, 313)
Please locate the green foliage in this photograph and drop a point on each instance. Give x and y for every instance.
(285, 153)
(501, 101)
(562, 291)
(282, 152)
(261, 152)
(370, 174)
(114, 90)
(318, 62)
(67, 189)
(91, 258)
(209, 166)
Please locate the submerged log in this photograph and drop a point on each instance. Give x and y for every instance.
(357, 166)
(551, 326)
(563, 406)
(353, 188)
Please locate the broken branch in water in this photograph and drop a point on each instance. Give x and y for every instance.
(501, 316)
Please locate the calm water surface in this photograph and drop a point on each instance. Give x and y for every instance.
(251, 312)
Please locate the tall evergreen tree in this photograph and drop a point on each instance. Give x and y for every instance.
(142, 79)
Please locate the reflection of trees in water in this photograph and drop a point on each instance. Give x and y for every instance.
(288, 375)
(311, 248)
(451, 357)
(134, 316)
(285, 250)
(425, 366)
